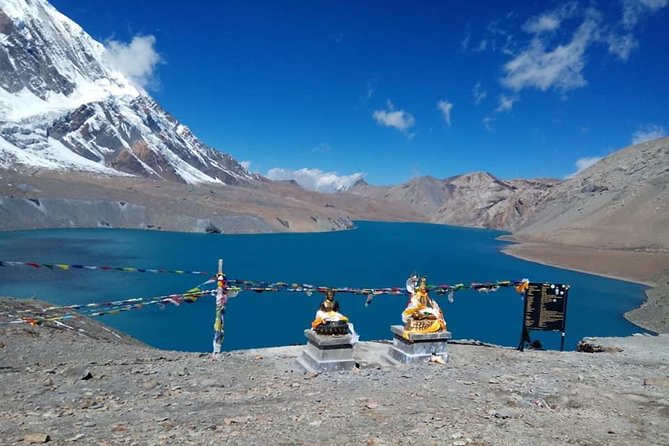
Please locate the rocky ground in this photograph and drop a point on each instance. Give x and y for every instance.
(82, 383)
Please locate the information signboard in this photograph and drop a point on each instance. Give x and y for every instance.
(545, 309)
(545, 306)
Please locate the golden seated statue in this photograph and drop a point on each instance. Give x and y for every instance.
(329, 321)
(422, 314)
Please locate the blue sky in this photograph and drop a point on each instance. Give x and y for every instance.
(327, 91)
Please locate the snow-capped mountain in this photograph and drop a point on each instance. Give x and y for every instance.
(64, 106)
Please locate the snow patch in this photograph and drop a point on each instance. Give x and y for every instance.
(11, 157)
(24, 104)
(53, 156)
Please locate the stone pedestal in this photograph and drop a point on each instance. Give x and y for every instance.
(417, 347)
(327, 353)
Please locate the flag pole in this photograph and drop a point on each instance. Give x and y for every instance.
(221, 301)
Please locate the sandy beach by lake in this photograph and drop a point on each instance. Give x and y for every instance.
(647, 268)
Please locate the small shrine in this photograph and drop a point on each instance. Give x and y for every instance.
(330, 339)
(423, 334)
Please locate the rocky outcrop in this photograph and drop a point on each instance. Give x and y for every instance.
(482, 200)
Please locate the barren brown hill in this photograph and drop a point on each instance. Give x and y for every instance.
(621, 202)
(613, 220)
(476, 199)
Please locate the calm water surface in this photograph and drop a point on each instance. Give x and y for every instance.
(374, 255)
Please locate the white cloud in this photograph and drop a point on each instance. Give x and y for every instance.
(635, 10)
(506, 103)
(315, 179)
(648, 133)
(622, 45)
(399, 119)
(245, 164)
(654, 5)
(552, 20)
(479, 93)
(445, 108)
(137, 59)
(560, 68)
(584, 163)
(555, 56)
(487, 122)
(621, 39)
(498, 36)
(541, 24)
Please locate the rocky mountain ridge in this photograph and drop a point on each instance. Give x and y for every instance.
(476, 199)
(65, 106)
(619, 202)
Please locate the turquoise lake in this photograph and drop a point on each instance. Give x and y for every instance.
(373, 255)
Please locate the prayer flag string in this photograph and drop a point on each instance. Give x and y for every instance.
(38, 317)
(259, 287)
(192, 295)
(225, 288)
(125, 269)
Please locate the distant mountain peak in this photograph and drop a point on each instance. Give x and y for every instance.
(52, 64)
(424, 179)
(64, 107)
(479, 174)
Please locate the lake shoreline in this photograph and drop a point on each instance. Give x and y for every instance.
(645, 268)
